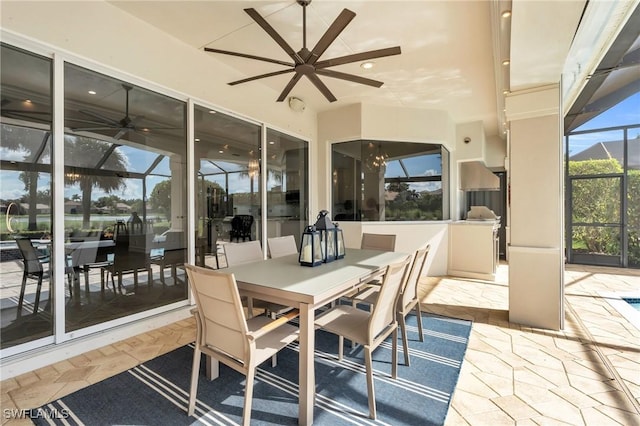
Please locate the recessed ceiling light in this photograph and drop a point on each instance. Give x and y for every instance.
(271, 143)
(197, 139)
(92, 92)
(506, 13)
(221, 152)
(212, 112)
(367, 65)
(27, 101)
(506, 62)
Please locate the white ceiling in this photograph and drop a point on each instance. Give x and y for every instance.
(447, 59)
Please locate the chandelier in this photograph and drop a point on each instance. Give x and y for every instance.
(376, 160)
(254, 167)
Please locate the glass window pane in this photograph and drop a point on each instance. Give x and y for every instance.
(227, 158)
(391, 181)
(25, 197)
(125, 197)
(287, 183)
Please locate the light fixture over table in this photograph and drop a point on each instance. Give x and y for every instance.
(306, 61)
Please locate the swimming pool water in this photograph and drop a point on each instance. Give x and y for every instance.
(634, 302)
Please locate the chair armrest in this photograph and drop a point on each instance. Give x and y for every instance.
(285, 318)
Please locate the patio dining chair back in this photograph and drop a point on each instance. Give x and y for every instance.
(407, 301)
(224, 333)
(282, 246)
(386, 242)
(251, 251)
(239, 253)
(241, 227)
(370, 329)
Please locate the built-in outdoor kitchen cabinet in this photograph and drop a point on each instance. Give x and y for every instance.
(473, 248)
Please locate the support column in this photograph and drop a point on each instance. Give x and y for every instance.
(536, 250)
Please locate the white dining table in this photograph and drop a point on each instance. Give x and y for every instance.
(283, 280)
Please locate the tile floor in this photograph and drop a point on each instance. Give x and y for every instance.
(586, 374)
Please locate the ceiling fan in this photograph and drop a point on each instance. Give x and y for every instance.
(306, 61)
(123, 126)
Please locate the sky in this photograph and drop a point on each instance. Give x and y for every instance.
(625, 113)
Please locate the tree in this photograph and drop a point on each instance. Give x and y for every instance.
(77, 147)
(160, 198)
(595, 200)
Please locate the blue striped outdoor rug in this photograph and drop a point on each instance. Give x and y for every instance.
(156, 392)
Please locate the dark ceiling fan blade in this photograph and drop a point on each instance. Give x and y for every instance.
(257, 77)
(244, 55)
(21, 115)
(22, 111)
(121, 133)
(100, 117)
(357, 57)
(91, 129)
(274, 35)
(350, 77)
(330, 35)
(321, 87)
(285, 92)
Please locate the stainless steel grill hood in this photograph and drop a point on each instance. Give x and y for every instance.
(475, 176)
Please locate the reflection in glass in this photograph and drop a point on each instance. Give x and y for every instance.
(25, 197)
(125, 197)
(287, 183)
(389, 181)
(228, 170)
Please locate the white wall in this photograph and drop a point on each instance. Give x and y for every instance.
(363, 121)
(409, 237)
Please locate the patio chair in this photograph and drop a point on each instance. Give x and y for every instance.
(32, 268)
(224, 333)
(370, 328)
(128, 261)
(407, 301)
(241, 227)
(282, 246)
(172, 253)
(102, 259)
(251, 251)
(385, 242)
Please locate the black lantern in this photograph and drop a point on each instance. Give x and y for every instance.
(327, 236)
(310, 248)
(339, 242)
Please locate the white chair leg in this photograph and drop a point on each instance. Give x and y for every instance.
(274, 357)
(248, 396)
(370, 389)
(340, 347)
(405, 340)
(195, 372)
(394, 353)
